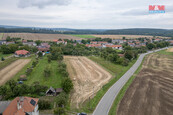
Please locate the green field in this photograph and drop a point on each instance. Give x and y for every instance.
(84, 36)
(123, 91)
(4, 55)
(7, 62)
(164, 52)
(1, 36)
(115, 70)
(38, 74)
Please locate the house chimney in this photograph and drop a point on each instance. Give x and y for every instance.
(20, 103)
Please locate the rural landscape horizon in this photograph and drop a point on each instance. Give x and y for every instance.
(89, 57)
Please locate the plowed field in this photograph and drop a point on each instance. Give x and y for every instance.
(151, 93)
(88, 77)
(8, 72)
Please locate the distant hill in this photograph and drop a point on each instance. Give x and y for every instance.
(133, 31)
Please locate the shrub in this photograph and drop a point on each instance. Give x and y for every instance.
(67, 85)
(44, 104)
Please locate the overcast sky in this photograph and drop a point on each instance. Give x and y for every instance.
(85, 14)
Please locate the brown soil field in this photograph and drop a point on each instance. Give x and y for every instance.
(170, 50)
(127, 36)
(43, 37)
(151, 92)
(8, 72)
(87, 76)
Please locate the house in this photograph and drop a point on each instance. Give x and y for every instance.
(22, 106)
(119, 47)
(30, 43)
(45, 45)
(7, 43)
(102, 42)
(22, 53)
(94, 45)
(53, 92)
(3, 106)
(2, 42)
(60, 41)
(93, 42)
(43, 49)
(131, 44)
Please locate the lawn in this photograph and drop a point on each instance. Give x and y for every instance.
(83, 36)
(164, 52)
(115, 70)
(1, 36)
(38, 74)
(4, 55)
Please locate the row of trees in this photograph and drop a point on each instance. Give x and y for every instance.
(12, 89)
(11, 48)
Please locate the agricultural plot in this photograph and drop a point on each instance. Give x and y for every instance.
(9, 71)
(43, 37)
(151, 92)
(87, 76)
(127, 36)
(1, 36)
(84, 36)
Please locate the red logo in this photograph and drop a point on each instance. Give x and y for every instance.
(156, 7)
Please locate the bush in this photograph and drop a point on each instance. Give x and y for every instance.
(67, 85)
(47, 71)
(59, 111)
(22, 79)
(28, 71)
(44, 105)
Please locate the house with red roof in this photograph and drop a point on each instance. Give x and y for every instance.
(22, 106)
(119, 47)
(22, 53)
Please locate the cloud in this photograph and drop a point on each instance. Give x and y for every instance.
(42, 3)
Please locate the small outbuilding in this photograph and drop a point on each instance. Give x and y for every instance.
(53, 92)
(22, 53)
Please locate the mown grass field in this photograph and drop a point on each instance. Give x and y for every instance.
(115, 70)
(4, 55)
(84, 36)
(164, 52)
(38, 74)
(1, 36)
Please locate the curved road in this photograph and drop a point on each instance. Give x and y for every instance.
(107, 100)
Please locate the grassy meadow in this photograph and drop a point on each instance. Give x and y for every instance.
(84, 36)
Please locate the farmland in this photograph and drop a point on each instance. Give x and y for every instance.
(43, 37)
(84, 36)
(88, 78)
(151, 91)
(9, 71)
(126, 36)
(1, 36)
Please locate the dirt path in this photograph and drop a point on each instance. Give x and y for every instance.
(9, 71)
(87, 76)
(151, 92)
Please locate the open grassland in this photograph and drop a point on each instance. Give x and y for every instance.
(38, 74)
(126, 36)
(151, 92)
(116, 70)
(88, 78)
(36, 36)
(9, 71)
(1, 36)
(84, 36)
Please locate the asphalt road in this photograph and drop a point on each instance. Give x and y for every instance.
(107, 100)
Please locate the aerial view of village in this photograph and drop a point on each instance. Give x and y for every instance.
(90, 57)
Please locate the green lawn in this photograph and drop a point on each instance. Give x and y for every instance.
(4, 55)
(115, 70)
(164, 52)
(38, 74)
(1, 36)
(122, 92)
(83, 36)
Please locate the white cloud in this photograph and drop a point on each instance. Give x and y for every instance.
(109, 14)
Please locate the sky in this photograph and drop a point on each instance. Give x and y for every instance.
(85, 14)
